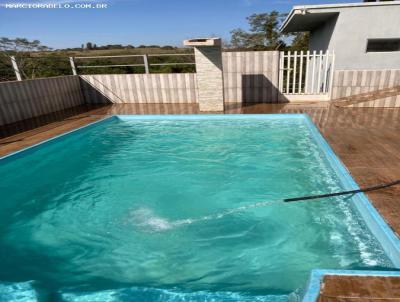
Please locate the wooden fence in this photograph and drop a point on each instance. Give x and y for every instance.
(140, 88)
(20, 100)
(251, 76)
(357, 82)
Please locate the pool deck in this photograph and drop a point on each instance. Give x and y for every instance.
(359, 288)
(367, 140)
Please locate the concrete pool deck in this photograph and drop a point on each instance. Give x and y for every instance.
(367, 140)
(359, 288)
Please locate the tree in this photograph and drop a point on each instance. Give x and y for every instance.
(301, 41)
(21, 49)
(19, 45)
(89, 46)
(241, 39)
(263, 32)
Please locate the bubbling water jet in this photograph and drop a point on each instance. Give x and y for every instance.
(145, 218)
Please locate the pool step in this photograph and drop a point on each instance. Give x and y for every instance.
(18, 292)
(162, 295)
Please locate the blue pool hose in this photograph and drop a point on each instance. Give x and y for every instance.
(368, 189)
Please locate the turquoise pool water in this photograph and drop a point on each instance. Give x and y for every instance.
(161, 210)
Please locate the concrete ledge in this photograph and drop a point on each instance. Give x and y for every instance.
(203, 42)
(306, 97)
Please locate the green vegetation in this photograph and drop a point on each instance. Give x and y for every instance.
(151, 50)
(19, 48)
(264, 34)
(36, 60)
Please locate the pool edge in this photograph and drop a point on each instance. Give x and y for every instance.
(372, 218)
(131, 117)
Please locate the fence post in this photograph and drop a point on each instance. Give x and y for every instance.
(332, 71)
(314, 58)
(281, 67)
(319, 71)
(146, 63)
(288, 73)
(294, 72)
(16, 69)
(72, 62)
(307, 78)
(324, 84)
(300, 89)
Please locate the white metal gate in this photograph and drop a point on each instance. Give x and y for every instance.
(308, 73)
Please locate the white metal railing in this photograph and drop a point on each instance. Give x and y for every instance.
(16, 68)
(144, 57)
(306, 72)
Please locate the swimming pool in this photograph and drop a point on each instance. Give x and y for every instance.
(177, 208)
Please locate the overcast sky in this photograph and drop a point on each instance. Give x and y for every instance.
(163, 22)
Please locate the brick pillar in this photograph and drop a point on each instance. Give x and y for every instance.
(210, 83)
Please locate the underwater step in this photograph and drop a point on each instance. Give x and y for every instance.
(164, 295)
(29, 292)
(18, 292)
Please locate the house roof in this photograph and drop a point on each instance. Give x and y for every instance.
(308, 17)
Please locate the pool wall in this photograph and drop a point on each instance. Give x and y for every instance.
(210, 116)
